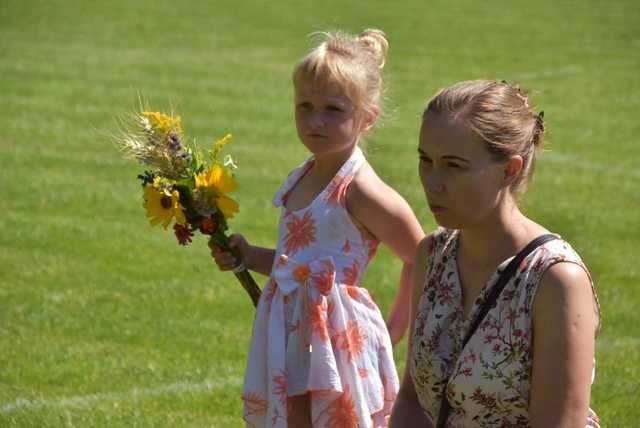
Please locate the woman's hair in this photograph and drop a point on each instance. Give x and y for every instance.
(353, 62)
(500, 115)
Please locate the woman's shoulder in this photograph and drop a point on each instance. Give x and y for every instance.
(563, 276)
(440, 239)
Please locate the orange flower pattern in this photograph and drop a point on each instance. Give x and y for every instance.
(316, 330)
(352, 340)
(301, 233)
(280, 386)
(351, 274)
(342, 412)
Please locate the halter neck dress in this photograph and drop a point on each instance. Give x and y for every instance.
(316, 330)
(489, 380)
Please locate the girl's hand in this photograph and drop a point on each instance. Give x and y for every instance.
(225, 259)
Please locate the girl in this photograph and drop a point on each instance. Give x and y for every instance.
(530, 360)
(321, 354)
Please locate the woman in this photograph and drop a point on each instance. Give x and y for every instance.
(530, 360)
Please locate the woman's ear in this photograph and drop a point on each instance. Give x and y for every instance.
(512, 168)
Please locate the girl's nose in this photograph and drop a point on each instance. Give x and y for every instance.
(316, 120)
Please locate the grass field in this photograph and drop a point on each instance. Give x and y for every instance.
(106, 322)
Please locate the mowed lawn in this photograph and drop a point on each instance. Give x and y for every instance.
(107, 322)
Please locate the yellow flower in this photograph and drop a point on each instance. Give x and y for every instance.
(218, 180)
(218, 145)
(162, 205)
(228, 206)
(163, 123)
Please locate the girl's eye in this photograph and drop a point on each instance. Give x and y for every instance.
(335, 108)
(304, 106)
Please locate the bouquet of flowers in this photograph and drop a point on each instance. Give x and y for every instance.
(185, 184)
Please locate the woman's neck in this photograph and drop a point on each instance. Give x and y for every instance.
(498, 237)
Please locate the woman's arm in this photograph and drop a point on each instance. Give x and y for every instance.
(564, 325)
(406, 410)
(383, 213)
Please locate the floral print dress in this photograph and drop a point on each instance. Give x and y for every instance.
(316, 331)
(490, 379)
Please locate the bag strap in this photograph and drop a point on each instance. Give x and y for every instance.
(488, 304)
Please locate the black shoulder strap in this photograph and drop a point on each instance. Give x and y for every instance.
(504, 278)
(489, 303)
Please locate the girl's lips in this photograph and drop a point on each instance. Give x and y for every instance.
(436, 208)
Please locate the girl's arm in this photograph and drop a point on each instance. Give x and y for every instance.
(257, 259)
(398, 319)
(564, 324)
(406, 410)
(387, 216)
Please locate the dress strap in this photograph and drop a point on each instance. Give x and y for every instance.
(342, 178)
(336, 191)
(280, 197)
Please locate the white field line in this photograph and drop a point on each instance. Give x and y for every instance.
(602, 169)
(136, 393)
(570, 69)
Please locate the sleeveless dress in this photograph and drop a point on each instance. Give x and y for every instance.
(316, 331)
(490, 380)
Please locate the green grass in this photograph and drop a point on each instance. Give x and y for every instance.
(106, 322)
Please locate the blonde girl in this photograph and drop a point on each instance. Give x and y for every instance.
(321, 354)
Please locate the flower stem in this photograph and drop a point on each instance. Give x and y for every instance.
(245, 278)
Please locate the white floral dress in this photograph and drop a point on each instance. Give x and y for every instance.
(490, 380)
(316, 331)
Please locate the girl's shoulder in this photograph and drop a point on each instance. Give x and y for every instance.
(369, 189)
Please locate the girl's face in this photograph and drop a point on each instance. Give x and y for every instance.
(462, 181)
(327, 121)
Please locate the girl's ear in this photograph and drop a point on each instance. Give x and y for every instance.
(370, 118)
(512, 168)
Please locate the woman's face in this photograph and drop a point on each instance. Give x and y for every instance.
(463, 183)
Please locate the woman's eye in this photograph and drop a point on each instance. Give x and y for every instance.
(454, 165)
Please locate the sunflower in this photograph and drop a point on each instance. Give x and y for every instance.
(162, 205)
(217, 181)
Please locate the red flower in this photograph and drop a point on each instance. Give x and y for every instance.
(208, 226)
(183, 234)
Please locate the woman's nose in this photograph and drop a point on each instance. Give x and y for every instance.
(434, 183)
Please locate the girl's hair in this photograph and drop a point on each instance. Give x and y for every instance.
(353, 62)
(500, 115)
